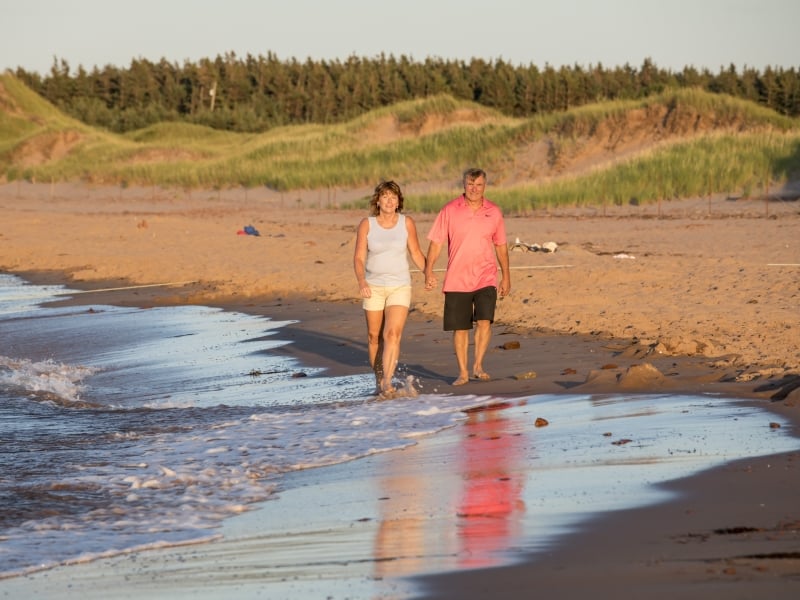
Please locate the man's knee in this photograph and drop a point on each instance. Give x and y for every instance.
(483, 325)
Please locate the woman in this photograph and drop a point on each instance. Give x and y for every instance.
(383, 243)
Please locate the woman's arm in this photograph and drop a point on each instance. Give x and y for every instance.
(360, 259)
(413, 245)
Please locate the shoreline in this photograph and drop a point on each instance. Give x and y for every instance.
(332, 335)
(683, 317)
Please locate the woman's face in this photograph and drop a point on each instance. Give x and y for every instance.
(388, 201)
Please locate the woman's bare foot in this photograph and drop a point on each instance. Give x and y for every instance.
(387, 393)
(481, 375)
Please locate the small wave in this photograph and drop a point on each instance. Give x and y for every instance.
(47, 381)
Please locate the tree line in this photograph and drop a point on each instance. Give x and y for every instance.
(257, 93)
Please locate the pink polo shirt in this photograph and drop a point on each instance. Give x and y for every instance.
(471, 239)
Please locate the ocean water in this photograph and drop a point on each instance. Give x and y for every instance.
(124, 429)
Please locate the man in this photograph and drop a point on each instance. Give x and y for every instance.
(475, 233)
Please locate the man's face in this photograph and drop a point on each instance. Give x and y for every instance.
(474, 188)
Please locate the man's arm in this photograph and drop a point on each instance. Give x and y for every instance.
(505, 279)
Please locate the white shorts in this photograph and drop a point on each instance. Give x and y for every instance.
(383, 296)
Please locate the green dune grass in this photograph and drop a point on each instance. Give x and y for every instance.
(716, 144)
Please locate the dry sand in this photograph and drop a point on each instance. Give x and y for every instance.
(715, 281)
(692, 296)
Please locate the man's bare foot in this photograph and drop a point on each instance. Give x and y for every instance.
(462, 379)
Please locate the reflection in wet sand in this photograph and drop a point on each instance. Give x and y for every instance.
(482, 496)
(491, 506)
(406, 538)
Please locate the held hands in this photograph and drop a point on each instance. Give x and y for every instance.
(430, 281)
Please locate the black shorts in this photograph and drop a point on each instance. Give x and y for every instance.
(461, 309)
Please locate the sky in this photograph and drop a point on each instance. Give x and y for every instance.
(710, 34)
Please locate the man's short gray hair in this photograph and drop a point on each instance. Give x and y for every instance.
(472, 174)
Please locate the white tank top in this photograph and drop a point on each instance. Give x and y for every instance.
(387, 256)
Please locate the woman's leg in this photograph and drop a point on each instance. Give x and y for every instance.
(375, 343)
(394, 322)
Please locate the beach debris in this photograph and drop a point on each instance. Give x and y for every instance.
(609, 366)
(549, 247)
(774, 425)
(526, 247)
(569, 371)
(299, 374)
(624, 256)
(510, 346)
(248, 230)
(525, 375)
(622, 442)
(540, 422)
(523, 246)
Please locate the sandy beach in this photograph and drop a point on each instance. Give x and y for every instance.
(693, 296)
